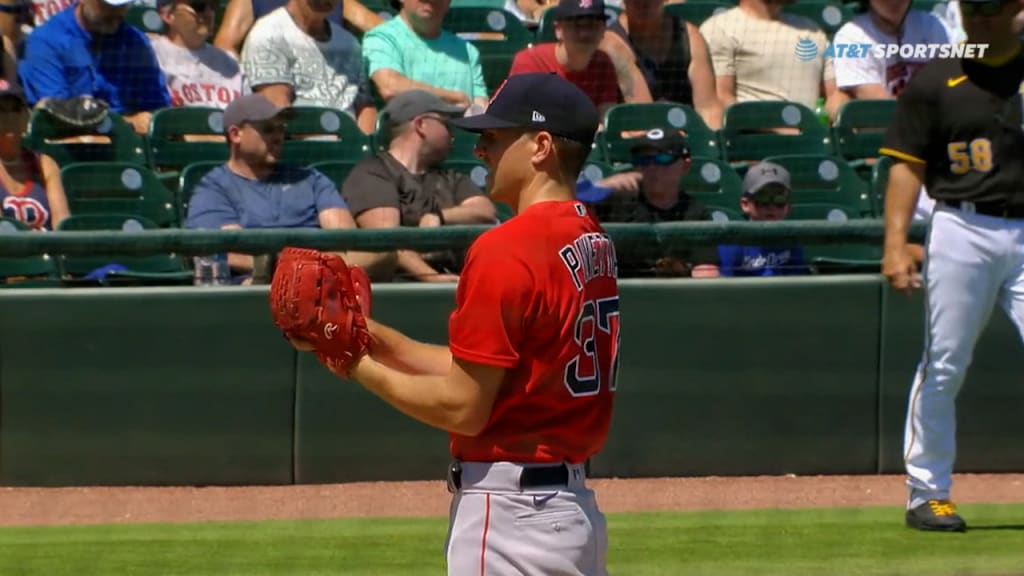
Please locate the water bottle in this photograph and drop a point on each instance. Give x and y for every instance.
(822, 113)
(212, 270)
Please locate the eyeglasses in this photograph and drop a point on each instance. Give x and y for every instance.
(988, 9)
(770, 199)
(661, 159)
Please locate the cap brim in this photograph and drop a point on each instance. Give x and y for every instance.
(482, 122)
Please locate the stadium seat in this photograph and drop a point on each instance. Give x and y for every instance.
(879, 180)
(624, 122)
(336, 170)
(145, 18)
(594, 170)
(191, 176)
(827, 180)
(39, 270)
(497, 34)
(836, 258)
(475, 169)
(112, 140)
(317, 134)
(713, 182)
(169, 149)
(118, 188)
(462, 148)
(696, 11)
(860, 128)
(750, 131)
(829, 14)
(152, 269)
(546, 28)
(723, 213)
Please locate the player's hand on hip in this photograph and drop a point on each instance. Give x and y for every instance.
(900, 268)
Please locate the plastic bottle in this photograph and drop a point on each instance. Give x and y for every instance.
(211, 270)
(822, 113)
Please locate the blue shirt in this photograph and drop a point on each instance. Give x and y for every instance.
(63, 60)
(291, 197)
(757, 261)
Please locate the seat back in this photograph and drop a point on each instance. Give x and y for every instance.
(185, 135)
(83, 265)
(625, 122)
(752, 131)
(696, 11)
(318, 134)
(145, 18)
(713, 182)
(35, 266)
(879, 182)
(476, 170)
(120, 188)
(860, 127)
(836, 258)
(829, 15)
(336, 170)
(819, 179)
(496, 33)
(187, 181)
(112, 140)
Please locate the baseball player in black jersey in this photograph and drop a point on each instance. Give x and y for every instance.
(958, 130)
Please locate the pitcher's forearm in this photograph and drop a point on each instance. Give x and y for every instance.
(399, 352)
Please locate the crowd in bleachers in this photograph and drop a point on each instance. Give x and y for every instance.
(331, 113)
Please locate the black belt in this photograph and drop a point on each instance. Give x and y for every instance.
(996, 209)
(532, 477)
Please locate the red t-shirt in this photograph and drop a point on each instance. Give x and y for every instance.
(598, 80)
(539, 297)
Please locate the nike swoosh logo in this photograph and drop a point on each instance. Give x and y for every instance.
(541, 500)
(953, 82)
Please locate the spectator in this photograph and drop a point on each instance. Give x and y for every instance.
(88, 49)
(404, 186)
(579, 25)
(198, 73)
(296, 51)
(753, 52)
(19, 17)
(653, 194)
(252, 190)
(673, 57)
(766, 198)
(413, 51)
(885, 22)
(239, 16)
(30, 186)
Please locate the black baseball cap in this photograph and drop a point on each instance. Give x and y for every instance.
(661, 141)
(538, 101)
(579, 9)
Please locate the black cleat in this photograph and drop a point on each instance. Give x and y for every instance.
(936, 516)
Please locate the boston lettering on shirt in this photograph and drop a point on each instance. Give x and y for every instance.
(43, 10)
(208, 76)
(28, 205)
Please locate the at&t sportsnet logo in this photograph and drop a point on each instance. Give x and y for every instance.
(807, 50)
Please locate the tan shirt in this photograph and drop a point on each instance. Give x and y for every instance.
(762, 55)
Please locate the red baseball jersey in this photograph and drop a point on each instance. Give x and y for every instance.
(539, 297)
(598, 80)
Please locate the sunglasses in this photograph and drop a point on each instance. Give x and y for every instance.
(770, 199)
(988, 9)
(661, 159)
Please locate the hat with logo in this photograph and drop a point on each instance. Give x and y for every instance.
(579, 9)
(538, 101)
(411, 103)
(250, 108)
(764, 174)
(661, 141)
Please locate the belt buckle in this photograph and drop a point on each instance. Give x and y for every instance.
(454, 477)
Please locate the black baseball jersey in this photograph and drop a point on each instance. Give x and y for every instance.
(963, 120)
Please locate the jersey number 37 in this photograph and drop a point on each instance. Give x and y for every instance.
(596, 333)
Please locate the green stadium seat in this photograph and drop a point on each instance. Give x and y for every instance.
(112, 140)
(722, 213)
(191, 176)
(463, 146)
(750, 131)
(860, 128)
(830, 15)
(546, 28)
(497, 34)
(475, 169)
(145, 18)
(696, 12)
(713, 182)
(879, 181)
(826, 180)
(836, 258)
(152, 269)
(119, 188)
(336, 170)
(624, 122)
(317, 134)
(594, 170)
(169, 149)
(38, 270)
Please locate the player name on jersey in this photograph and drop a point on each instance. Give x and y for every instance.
(590, 255)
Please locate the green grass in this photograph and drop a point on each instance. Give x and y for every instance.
(864, 541)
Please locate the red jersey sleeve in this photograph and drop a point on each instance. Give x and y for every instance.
(492, 305)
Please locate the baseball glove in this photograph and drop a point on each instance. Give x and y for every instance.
(79, 111)
(318, 299)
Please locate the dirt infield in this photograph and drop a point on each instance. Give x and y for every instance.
(49, 506)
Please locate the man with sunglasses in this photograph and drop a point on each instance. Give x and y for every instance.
(959, 130)
(254, 190)
(198, 73)
(766, 198)
(653, 193)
